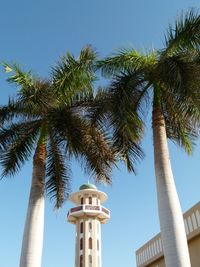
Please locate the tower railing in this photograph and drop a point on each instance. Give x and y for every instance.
(87, 208)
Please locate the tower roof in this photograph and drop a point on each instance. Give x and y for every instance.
(88, 186)
(87, 189)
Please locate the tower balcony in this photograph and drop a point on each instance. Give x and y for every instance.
(97, 211)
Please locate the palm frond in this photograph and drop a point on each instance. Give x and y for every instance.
(20, 78)
(12, 131)
(126, 60)
(87, 57)
(125, 119)
(58, 172)
(84, 142)
(180, 81)
(99, 108)
(177, 70)
(181, 131)
(35, 95)
(67, 123)
(185, 34)
(182, 120)
(10, 111)
(120, 109)
(96, 153)
(72, 77)
(17, 142)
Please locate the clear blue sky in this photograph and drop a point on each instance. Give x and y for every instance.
(35, 34)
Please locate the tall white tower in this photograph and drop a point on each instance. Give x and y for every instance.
(88, 215)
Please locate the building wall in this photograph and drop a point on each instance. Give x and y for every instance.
(194, 249)
(157, 263)
(151, 253)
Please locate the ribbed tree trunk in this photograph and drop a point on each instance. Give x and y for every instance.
(171, 219)
(31, 253)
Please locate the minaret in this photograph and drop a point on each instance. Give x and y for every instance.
(88, 215)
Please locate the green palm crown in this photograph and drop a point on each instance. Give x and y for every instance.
(51, 112)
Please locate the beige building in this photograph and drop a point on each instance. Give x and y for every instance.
(151, 253)
(88, 215)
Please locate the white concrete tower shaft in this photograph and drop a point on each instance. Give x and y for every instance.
(88, 215)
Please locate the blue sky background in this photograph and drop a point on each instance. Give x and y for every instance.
(35, 34)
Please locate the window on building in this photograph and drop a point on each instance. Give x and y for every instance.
(81, 243)
(90, 243)
(90, 260)
(82, 201)
(97, 244)
(90, 200)
(81, 261)
(90, 226)
(81, 227)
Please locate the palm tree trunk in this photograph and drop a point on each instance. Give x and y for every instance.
(31, 253)
(171, 219)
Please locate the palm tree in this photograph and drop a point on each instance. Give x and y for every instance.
(167, 82)
(47, 117)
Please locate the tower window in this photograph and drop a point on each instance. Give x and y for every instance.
(81, 227)
(81, 243)
(90, 243)
(90, 226)
(97, 244)
(81, 261)
(90, 200)
(82, 201)
(90, 260)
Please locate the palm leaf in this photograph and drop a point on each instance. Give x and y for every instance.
(17, 142)
(96, 154)
(119, 109)
(72, 77)
(58, 171)
(126, 60)
(83, 142)
(128, 97)
(179, 77)
(182, 118)
(178, 70)
(185, 33)
(11, 111)
(180, 128)
(20, 78)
